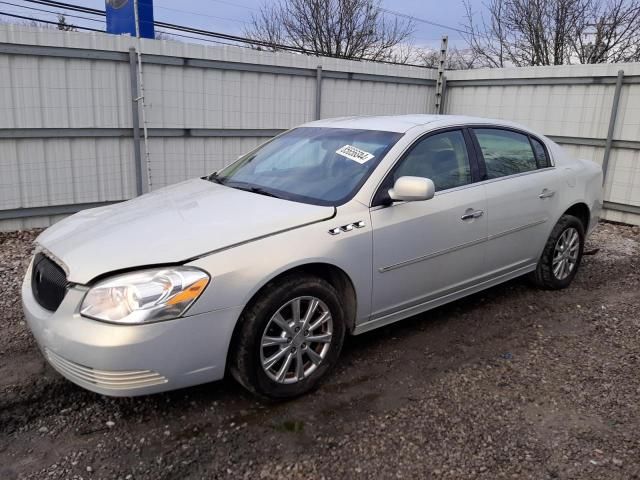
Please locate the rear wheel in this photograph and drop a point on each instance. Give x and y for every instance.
(288, 338)
(562, 254)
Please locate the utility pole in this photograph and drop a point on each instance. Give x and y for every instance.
(140, 98)
(441, 79)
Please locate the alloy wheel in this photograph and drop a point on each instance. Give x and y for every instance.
(296, 340)
(565, 254)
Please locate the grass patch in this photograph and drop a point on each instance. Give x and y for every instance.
(295, 426)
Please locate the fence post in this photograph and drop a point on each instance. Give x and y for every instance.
(440, 80)
(135, 119)
(612, 126)
(318, 91)
(443, 96)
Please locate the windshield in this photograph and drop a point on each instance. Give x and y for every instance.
(324, 166)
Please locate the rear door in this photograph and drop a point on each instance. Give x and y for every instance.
(426, 249)
(521, 186)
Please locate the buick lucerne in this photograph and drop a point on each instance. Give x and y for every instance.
(333, 228)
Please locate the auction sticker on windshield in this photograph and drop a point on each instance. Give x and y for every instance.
(355, 154)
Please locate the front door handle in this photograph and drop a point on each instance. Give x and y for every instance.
(546, 193)
(470, 215)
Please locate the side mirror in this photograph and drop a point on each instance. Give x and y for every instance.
(412, 189)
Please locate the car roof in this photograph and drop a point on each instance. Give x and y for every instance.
(403, 123)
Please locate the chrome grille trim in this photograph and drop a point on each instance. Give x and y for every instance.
(121, 379)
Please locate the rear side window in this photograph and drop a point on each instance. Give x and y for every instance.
(541, 154)
(505, 152)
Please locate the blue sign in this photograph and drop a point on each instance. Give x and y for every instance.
(121, 17)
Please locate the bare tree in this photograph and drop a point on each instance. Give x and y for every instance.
(267, 26)
(610, 33)
(60, 25)
(356, 29)
(487, 39)
(554, 32)
(63, 25)
(159, 35)
(457, 59)
(404, 53)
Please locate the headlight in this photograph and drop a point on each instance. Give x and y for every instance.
(145, 296)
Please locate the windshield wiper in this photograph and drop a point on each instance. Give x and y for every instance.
(247, 187)
(214, 178)
(261, 191)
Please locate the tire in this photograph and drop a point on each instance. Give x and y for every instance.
(247, 354)
(546, 274)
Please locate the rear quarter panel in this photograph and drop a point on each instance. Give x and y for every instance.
(581, 183)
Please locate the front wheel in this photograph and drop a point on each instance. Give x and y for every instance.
(288, 338)
(562, 254)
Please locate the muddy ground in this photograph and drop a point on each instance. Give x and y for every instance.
(510, 383)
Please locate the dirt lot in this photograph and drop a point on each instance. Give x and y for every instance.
(510, 383)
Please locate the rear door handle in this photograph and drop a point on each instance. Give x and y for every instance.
(471, 215)
(546, 193)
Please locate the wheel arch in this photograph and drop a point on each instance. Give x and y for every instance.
(329, 272)
(333, 274)
(581, 211)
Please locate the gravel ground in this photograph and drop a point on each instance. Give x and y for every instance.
(510, 383)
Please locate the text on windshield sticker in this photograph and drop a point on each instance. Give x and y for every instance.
(355, 154)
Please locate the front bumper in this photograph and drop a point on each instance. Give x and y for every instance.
(129, 360)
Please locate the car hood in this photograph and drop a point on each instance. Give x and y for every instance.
(170, 225)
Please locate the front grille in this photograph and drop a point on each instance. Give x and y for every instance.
(108, 379)
(48, 282)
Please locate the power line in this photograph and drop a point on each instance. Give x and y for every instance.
(262, 43)
(441, 25)
(173, 34)
(206, 33)
(66, 14)
(48, 22)
(199, 14)
(422, 20)
(227, 36)
(95, 11)
(51, 11)
(172, 26)
(235, 4)
(68, 6)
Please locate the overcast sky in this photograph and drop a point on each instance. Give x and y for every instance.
(230, 16)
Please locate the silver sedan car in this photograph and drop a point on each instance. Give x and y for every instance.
(333, 228)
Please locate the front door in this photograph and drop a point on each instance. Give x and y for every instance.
(426, 249)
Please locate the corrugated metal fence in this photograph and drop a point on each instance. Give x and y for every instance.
(69, 122)
(592, 110)
(70, 117)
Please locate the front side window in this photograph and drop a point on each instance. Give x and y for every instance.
(505, 152)
(441, 157)
(323, 166)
